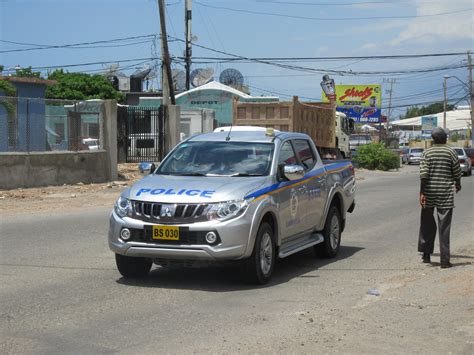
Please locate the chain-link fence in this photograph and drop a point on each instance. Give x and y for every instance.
(38, 125)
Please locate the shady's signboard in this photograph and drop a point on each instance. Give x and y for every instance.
(362, 103)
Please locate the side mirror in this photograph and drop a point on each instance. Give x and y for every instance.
(146, 168)
(293, 172)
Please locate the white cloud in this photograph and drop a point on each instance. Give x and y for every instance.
(437, 28)
(322, 49)
(369, 46)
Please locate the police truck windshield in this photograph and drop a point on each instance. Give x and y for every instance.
(219, 159)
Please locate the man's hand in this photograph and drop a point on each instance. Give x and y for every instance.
(422, 200)
(458, 185)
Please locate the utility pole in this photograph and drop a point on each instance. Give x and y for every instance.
(188, 50)
(471, 94)
(165, 56)
(389, 110)
(444, 101)
(170, 112)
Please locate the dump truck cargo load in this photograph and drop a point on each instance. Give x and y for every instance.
(318, 120)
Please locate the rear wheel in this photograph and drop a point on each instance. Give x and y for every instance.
(131, 267)
(259, 267)
(332, 234)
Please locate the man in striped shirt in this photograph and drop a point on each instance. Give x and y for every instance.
(440, 176)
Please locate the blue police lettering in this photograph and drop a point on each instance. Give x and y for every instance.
(142, 190)
(201, 193)
(157, 191)
(193, 192)
(207, 193)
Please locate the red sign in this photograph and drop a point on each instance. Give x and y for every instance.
(353, 92)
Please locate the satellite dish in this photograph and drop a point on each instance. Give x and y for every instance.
(231, 77)
(179, 79)
(141, 73)
(200, 77)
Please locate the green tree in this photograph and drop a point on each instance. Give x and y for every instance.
(454, 137)
(81, 86)
(416, 111)
(375, 156)
(27, 73)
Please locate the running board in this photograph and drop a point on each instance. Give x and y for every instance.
(299, 244)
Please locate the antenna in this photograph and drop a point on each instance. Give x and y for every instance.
(228, 135)
(232, 77)
(200, 77)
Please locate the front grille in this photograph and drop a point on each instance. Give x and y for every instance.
(169, 213)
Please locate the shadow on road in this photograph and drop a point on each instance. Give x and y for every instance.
(228, 278)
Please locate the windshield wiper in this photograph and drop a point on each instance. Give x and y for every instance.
(188, 174)
(246, 174)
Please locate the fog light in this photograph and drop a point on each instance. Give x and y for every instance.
(211, 237)
(125, 234)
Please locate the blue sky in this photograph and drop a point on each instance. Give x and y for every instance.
(257, 28)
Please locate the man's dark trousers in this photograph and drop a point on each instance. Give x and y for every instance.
(428, 231)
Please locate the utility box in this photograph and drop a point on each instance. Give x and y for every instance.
(196, 121)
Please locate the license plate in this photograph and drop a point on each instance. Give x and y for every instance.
(165, 233)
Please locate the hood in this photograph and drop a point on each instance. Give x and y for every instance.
(193, 189)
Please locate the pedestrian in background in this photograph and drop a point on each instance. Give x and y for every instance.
(440, 175)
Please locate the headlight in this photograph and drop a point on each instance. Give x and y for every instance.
(123, 207)
(223, 211)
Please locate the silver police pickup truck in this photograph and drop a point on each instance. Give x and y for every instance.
(233, 195)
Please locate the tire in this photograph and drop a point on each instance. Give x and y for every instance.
(332, 235)
(130, 267)
(258, 269)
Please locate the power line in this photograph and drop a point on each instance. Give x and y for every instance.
(322, 71)
(280, 93)
(331, 18)
(94, 63)
(341, 3)
(374, 57)
(425, 103)
(43, 46)
(421, 94)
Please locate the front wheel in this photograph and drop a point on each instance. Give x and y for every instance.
(332, 234)
(132, 267)
(259, 267)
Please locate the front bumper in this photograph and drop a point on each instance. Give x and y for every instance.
(465, 168)
(234, 235)
(414, 160)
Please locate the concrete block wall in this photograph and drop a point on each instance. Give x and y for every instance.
(52, 168)
(65, 167)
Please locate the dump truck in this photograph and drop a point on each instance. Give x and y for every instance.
(330, 130)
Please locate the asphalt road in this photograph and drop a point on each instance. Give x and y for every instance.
(61, 292)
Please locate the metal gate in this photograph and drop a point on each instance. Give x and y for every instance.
(140, 134)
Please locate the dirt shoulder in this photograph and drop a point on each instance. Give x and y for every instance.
(80, 195)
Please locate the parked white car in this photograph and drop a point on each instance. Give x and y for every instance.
(464, 160)
(412, 155)
(91, 143)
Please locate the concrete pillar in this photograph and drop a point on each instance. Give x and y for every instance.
(110, 137)
(173, 127)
